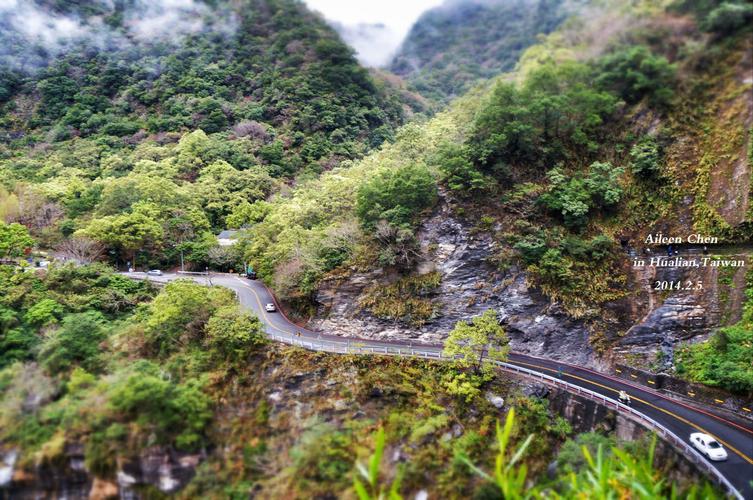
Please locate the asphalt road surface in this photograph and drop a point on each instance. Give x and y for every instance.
(680, 418)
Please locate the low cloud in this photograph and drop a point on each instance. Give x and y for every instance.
(30, 34)
(30, 21)
(374, 29)
(148, 20)
(374, 43)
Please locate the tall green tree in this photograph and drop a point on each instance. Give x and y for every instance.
(75, 343)
(396, 196)
(179, 315)
(128, 232)
(472, 344)
(232, 333)
(636, 73)
(14, 240)
(557, 114)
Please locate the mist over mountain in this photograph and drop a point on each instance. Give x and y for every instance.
(79, 69)
(374, 44)
(452, 46)
(35, 32)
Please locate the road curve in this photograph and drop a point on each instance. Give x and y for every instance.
(678, 417)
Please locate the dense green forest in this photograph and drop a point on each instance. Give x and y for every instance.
(171, 136)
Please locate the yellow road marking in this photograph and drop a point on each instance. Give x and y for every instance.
(261, 308)
(745, 457)
(718, 401)
(652, 382)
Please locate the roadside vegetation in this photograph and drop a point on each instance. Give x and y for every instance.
(91, 357)
(725, 359)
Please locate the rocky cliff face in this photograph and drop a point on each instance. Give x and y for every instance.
(470, 284)
(162, 469)
(645, 325)
(663, 318)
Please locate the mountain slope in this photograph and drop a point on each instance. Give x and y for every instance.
(453, 46)
(169, 120)
(547, 183)
(113, 71)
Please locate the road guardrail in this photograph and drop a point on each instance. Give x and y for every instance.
(678, 443)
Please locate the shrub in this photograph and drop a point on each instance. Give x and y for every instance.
(636, 73)
(322, 456)
(722, 361)
(531, 248)
(568, 197)
(555, 269)
(644, 157)
(729, 17)
(603, 184)
(179, 314)
(474, 343)
(14, 240)
(600, 246)
(16, 344)
(44, 312)
(398, 246)
(575, 197)
(458, 171)
(406, 300)
(570, 457)
(177, 413)
(557, 114)
(77, 342)
(232, 333)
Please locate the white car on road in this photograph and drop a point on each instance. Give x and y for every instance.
(270, 308)
(708, 446)
(154, 272)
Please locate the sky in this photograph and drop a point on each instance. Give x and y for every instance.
(375, 45)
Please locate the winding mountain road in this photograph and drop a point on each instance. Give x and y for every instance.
(678, 417)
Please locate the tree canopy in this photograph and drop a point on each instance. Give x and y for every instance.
(473, 344)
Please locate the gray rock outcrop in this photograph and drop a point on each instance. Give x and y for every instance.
(470, 284)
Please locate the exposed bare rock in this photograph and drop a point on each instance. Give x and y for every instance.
(470, 284)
